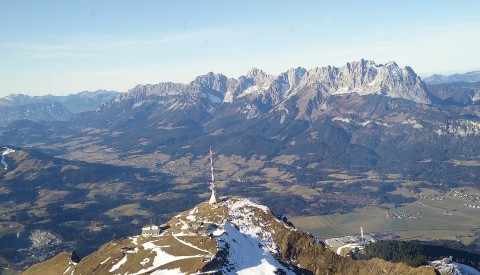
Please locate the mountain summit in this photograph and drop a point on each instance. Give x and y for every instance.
(235, 236)
(299, 90)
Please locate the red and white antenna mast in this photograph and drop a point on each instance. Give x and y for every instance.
(213, 197)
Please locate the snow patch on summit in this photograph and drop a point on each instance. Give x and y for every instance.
(247, 241)
(245, 220)
(239, 205)
(454, 268)
(246, 255)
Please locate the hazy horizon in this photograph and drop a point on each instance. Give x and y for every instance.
(67, 47)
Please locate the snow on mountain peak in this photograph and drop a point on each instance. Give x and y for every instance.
(365, 77)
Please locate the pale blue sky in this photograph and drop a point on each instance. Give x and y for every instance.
(68, 46)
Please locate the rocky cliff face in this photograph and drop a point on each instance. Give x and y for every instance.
(235, 236)
(258, 92)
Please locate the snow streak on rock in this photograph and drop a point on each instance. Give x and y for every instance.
(119, 264)
(6, 152)
(161, 258)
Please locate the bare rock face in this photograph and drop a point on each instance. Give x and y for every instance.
(231, 237)
(366, 77)
(257, 92)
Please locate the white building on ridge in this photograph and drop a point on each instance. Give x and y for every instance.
(151, 230)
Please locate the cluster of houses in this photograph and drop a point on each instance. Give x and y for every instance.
(403, 215)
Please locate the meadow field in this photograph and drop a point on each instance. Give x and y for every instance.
(425, 219)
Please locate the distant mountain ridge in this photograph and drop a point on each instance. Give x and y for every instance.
(75, 103)
(255, 93)
(473, 76)
(363, 77)
(49, 107)
(258, 92)
(457, 93)
(48, 111)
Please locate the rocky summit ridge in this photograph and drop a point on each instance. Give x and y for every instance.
(234, 236)
(258, 92)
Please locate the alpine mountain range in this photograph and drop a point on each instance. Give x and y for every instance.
(146, 148)
(379, 113)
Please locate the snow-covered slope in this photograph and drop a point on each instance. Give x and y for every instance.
(249, 246)
(448, 267)
(6, 151)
